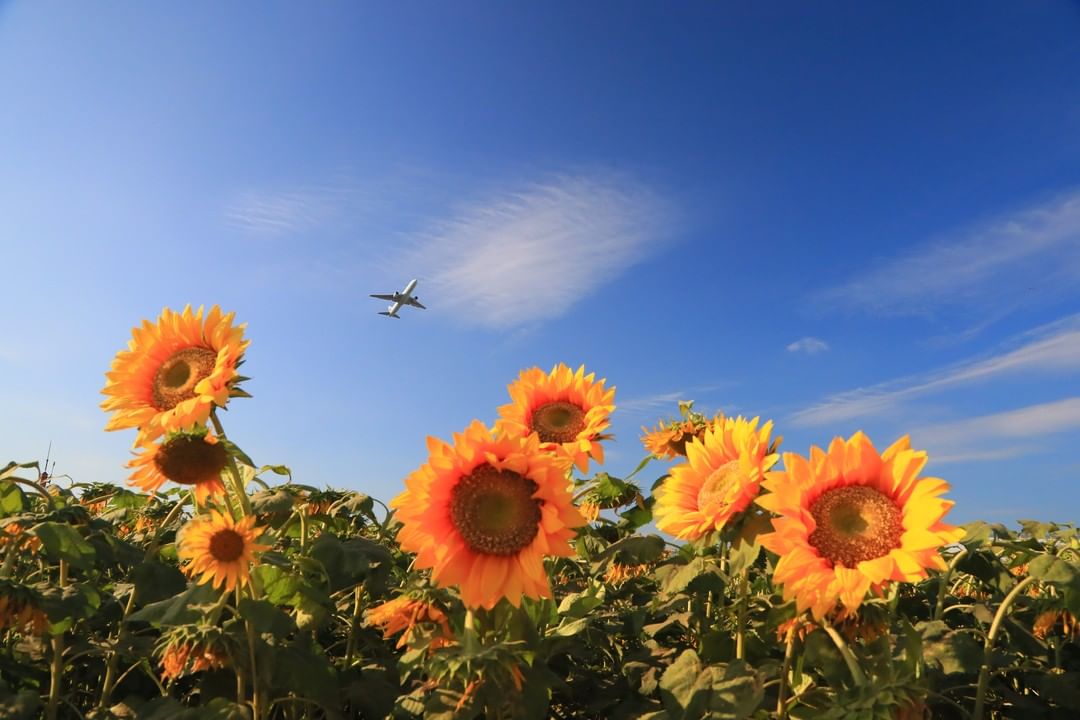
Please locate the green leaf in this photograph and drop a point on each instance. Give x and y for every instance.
(634, 550)
(1052, 569)
(578, 605)
(950, 650)
(62, 542)
(677, 682)
(309, 675)
(569, 628)
(279, 586)
(353, 561)
(271, 502)
(265, 617)
(12, 499)
(179, 609)
(156, 581)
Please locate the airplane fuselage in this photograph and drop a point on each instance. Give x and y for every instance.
(400, 299)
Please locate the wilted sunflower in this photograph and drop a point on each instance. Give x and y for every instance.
(720, 479)
(852, 520)
(219, 549)
(186, 458)
(405, 613)
(20, 609)
(569, 410)
(174, 371)
(484, 512)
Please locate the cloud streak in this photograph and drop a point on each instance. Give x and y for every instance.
(1001, 263)
(529, 254)
(1054, 347)
(966, 440)
(808, 345)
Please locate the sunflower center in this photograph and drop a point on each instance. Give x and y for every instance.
(558, 422)
(177, 377)
(855, 523)
(720, 489)
(495, 511)
(190, 460)
(226, 545)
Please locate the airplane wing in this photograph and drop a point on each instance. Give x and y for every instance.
(416, 303)
(385, 297)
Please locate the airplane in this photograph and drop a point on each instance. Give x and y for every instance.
(399, 299)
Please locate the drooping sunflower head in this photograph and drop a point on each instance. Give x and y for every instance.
(851, 520)
(668, 439)
(484, 512)
(719, 480)
(214, 547)
(174, 371)
(407, 613)
(20, 608)
(194, 458)
(568, 410)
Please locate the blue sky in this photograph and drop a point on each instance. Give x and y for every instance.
(855, 215)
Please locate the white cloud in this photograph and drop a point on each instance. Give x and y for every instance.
(979, 438)
(808, 345)
(528, 254)
(665, 403)
(1054, 347)
(999, 264)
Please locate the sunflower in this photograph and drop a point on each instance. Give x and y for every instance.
(174, 372)
(20, 608)
(720, 479)
(186, 458)
(851, 520)
(668, 440)
(405, 613)
(482, 514)
(568, 410)
(219, 549)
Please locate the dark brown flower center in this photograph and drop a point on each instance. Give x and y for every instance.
(721, 489)
(558, 422)
(177, 377)
(190, 460)
(226, 545)
(854, 524)
(494, 510)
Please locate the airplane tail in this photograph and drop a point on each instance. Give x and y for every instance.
(396, 317)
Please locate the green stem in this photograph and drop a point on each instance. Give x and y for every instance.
(471, 640)
(256, 699)
(114, 657)
(988, 646)
(849, 657)
(9, 557)
(234, 472)
(354, 626)
(939, 606)
(789, 652)
(57, 667)
(744, 602)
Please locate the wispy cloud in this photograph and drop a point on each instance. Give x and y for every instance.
(968, 440)
(808, 345)
(1053, 347)
(528, 254)
(1030, 253)
(664, 402)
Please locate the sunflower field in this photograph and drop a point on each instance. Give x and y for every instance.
(512, 577)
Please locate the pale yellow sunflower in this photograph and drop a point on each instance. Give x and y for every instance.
(214, 547)
(720, 479)
(568, 410)
(174, 372)
(186, 458)
(851, 520)
(484, 512)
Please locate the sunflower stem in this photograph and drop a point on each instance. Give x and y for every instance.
(256, 698)
(849, 657)
(234, 472)
(789, 652)
(744, 602)
(56, 670)
(471, 640)
(939, 606)
(988, 646)
(9, 558)
(114, 656)
(354, 626)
